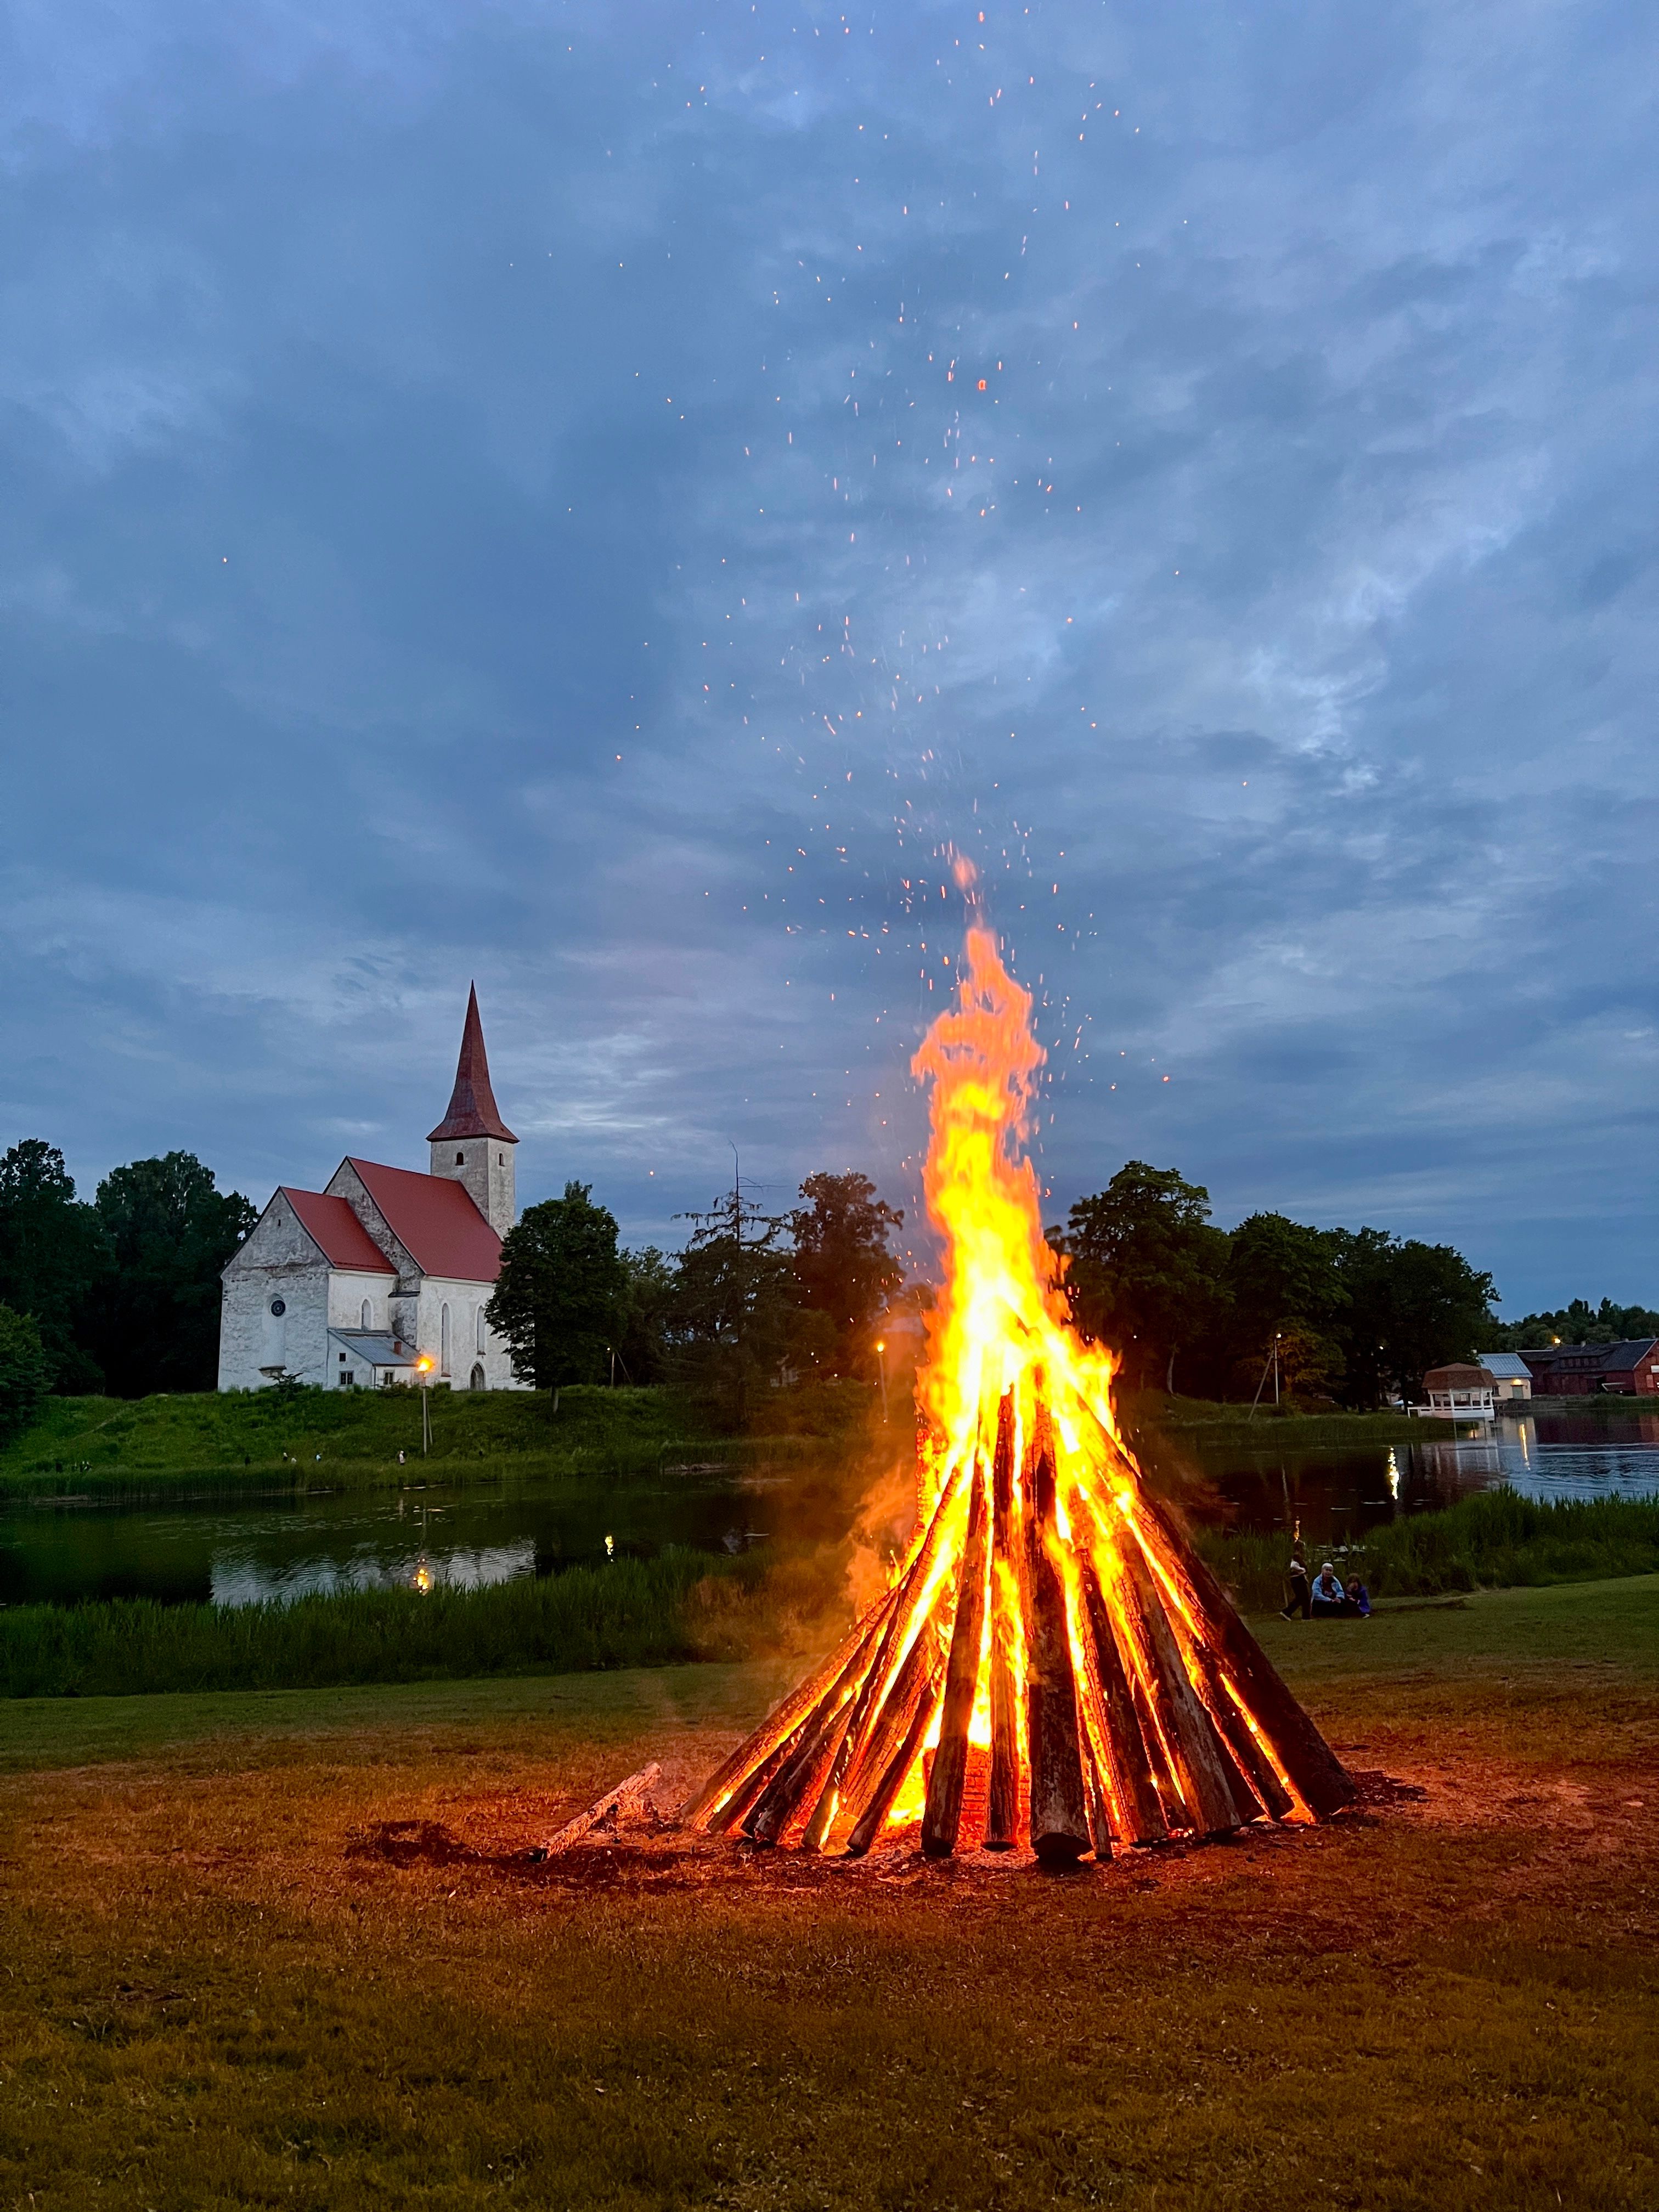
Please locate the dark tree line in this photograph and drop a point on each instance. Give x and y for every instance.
(751, 1296)
(1576, 1322)
(120, 1293)
(1358, 1315)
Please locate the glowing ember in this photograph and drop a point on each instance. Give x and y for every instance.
(1051, 1658)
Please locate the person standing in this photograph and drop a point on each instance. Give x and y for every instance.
(1296, 1577)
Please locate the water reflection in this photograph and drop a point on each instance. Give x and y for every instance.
(1334, 1495)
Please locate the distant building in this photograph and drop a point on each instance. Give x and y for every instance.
(1512, 1376)
(356, 1286)
(1460, 1392)
(1580, 1370)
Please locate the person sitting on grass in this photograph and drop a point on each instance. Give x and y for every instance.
(1357, 1600)
(1328, 1595)
(1296, 1577)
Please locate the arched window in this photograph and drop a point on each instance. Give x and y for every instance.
(369, 1315)
(443, 1341)
(460, 1159)
(482, 1345)
(478, 1378)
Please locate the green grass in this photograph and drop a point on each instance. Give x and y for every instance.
(220, 1995)
(1493, 1539)
(351, 1438)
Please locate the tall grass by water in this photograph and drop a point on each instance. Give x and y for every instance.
(1495, 1538)
(679, 1606)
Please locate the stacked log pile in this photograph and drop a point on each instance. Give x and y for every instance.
(1052, 1639)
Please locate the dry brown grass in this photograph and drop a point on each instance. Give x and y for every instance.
(284, 1952)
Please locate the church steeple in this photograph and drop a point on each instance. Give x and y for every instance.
(472, 1109)
(472, 1146)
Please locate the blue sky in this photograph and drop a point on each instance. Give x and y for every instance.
(598, 498)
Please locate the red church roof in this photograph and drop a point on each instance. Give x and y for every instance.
(331, 1223)
(435, 1220)
(472, 1109)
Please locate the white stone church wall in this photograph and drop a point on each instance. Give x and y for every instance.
(465, 1302)
(278, 1265)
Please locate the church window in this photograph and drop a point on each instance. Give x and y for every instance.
(481, 1329)
(365, 1313)
(443, 1342)
(501, 1160)
(460, 1159)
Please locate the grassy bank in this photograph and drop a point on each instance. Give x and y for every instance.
(351, 1438)
(1149, 1415)
(632, 1612)
(286, 1950)
(1493, 1540)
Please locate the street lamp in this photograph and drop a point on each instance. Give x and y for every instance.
(881, 1362)
(424, 1369)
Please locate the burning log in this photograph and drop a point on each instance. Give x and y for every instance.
(1114, 1728)
(943, 1815)
(1205, 1773)
(755, 1749)
(1002, 1798)
(1310, 1765)
(906, 1601)
(1059, 1815)
(924, 1696)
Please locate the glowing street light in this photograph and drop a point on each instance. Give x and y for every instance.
(881, 1362)
(424, 1369)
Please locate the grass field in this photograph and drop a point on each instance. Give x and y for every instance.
(281, 1950)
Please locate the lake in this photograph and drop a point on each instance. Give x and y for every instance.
(236, 1549)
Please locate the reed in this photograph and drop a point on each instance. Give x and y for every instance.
(1496, 1539)
(679, 1606)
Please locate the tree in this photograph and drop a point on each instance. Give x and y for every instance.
(52, 1254)
(153, 1320)
(1284, 1277)
(642, 1348)
(734, 1320)
(561, 1298)
(1146, 1268)
(842, 1264)
(1411, 1306)
(1576, 1322)
(26, 1372)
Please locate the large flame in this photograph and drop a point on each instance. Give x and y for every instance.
(1051, 1654)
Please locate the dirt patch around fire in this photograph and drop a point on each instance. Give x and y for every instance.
(301, 1950)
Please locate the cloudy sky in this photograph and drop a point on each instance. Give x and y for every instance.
(599, 498)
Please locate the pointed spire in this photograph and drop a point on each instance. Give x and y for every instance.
(472, 1109)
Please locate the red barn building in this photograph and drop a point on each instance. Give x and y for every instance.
(1579, 1371)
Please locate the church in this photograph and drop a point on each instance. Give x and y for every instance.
(383, 1276)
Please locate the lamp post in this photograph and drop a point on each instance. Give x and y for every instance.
(881, 1363)
(424, 1369)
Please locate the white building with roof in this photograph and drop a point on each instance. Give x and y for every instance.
(1512, 1376)
(383, 1276)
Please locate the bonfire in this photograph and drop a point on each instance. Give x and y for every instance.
(1051, 1662)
